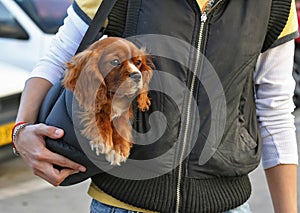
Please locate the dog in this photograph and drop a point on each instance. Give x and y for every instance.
(105, 78)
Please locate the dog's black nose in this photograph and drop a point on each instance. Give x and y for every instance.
(135, 76)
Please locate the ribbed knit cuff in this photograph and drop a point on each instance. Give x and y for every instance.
(159, 194)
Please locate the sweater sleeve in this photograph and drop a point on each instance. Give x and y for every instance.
(274, 102)
(63, 47)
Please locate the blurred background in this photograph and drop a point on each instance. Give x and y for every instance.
(26, 27)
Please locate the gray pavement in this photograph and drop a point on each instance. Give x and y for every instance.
(22, 192)
(49, 200)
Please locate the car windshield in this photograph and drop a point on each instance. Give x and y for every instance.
(47, 14)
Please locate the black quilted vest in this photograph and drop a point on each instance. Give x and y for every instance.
(200, 139)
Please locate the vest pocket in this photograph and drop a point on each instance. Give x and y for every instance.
(245, 150)
(240, 156)
(246, 138)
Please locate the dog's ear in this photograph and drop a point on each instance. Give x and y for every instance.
(86, 81)
(74, 68)
(147, 72)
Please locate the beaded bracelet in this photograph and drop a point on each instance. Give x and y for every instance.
(15, 130)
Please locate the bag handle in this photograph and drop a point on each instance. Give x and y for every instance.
(93, 32)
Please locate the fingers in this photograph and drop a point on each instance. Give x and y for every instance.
(31, 145)
(42, 166)
(53, 175)
(54, 158)
(60, 160)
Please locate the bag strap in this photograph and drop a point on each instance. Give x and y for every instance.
(93, 32)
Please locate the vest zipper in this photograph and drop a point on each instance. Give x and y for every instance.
(209, 6)
(188, 112)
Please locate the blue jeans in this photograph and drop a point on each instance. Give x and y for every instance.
(245, 208)
(97, 207)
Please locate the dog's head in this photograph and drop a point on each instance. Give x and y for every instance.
(111, 66)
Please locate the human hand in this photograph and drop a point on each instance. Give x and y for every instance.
(31, 146)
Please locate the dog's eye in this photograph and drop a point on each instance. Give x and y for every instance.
(138, 63)
(115, 63)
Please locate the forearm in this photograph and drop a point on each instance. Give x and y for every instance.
(30, 141)
(282, 181)
(32, 97)
(274, 103)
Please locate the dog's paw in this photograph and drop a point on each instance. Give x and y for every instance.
(144, 104)
(119, 153)
(100, 148)
(115, 158)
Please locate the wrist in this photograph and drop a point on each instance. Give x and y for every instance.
(15, 131)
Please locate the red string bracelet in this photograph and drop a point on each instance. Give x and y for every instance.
(15, 130)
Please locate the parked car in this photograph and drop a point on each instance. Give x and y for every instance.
(11, 86)
(26, 27)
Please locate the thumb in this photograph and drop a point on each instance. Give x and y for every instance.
(58, 133)
(50, 131)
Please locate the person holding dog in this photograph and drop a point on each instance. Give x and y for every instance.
(227, 66)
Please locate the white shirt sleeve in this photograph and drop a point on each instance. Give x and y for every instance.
(63, 47)
(274, 102)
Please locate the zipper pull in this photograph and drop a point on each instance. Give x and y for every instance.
(203, 17)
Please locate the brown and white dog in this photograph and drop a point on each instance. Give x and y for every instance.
(104, 79)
